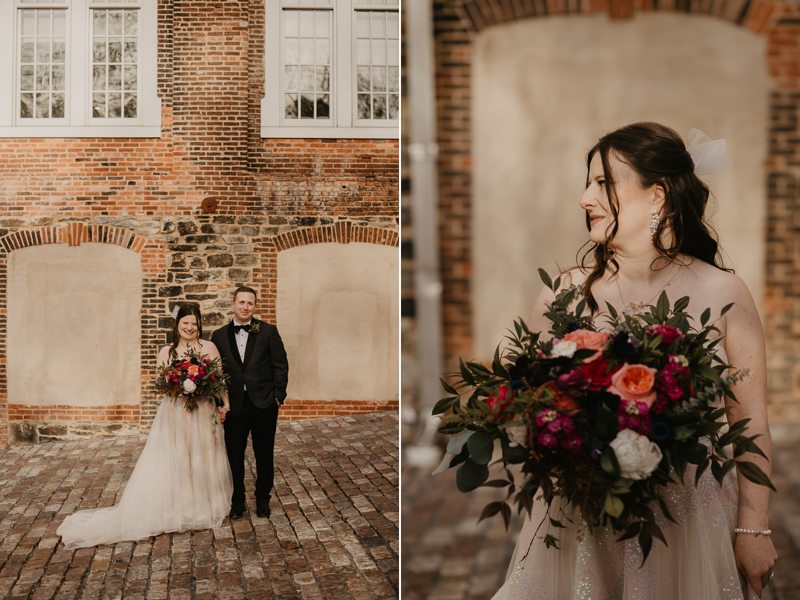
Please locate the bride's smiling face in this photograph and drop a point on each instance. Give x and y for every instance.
(635, 208)
(187, 328)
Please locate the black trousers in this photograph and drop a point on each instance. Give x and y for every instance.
(262, 422)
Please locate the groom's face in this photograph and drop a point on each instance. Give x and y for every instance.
(244, 305)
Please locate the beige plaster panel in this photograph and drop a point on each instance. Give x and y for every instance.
(545, 89)
(338, 316)
(74, 332)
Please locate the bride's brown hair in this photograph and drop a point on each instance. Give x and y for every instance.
(186, 309)
(659, 156)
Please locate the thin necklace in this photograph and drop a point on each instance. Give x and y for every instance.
(629, 309)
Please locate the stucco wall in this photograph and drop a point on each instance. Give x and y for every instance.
(74, 329)
(544, 90)
(338, 312)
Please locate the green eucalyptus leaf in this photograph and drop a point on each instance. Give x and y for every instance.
(448, 388)
(546, 279)
(609, 463)
(481, 447)
(471, 475)
(443, 404)
(705, 317)
(457, 442)
(613, 505)
(754, 473)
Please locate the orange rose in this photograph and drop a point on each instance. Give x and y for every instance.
(194, 369)
(634, 382)
(592, 340)
(560, 400)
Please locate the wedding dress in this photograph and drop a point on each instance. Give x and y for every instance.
(181, 481)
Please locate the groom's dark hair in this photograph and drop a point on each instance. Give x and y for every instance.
(244, 290)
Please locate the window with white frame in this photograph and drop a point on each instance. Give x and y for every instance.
(332, 69)
(79, 68)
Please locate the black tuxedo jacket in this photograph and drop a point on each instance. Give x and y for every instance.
(265, 370)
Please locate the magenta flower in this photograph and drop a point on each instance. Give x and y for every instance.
(548, 440)
(668, 334)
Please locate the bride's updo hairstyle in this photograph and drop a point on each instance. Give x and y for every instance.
(659, 156)
(186, 309)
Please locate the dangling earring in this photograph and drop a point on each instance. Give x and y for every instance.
(654, 223)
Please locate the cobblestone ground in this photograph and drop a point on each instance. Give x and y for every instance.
(333, 533)
(447, 555)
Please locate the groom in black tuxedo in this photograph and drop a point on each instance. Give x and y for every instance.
(254, 357)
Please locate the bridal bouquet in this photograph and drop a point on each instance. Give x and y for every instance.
(605, 420)
(193, 377)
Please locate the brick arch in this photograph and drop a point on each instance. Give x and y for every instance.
(74, 234)
(477, 15)
(456, 23)
(342, 232)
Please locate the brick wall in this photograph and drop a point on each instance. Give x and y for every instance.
(456, 21)
(146, 194)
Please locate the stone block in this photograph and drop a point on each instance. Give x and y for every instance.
(124, 223)
(168, 226)
(208, 275)
(278, 221)
(182, 248)
(195, 288)
(12, 222)
(199, 297)
(239, 274)
(198, 262)
(217, 248)
(303, 221)
(22, 434)
(235, 239)
(201, 239)
(243, 248)
(220, 260)
(176, 260)
(214, 319)
(52, 430)
(182, 277)
(249, 230)
(187, 227)
(246, 260)
(251, 220)
(228, 219)
(210, 228)
(170, 291)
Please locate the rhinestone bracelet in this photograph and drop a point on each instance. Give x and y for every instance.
(753, 531)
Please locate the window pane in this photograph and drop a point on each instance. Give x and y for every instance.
(393, 79)
(292, 52)
(362, 52)
(131, 52)
(114, 77)
(393, 25)
(307, 23)
(27, 51)
(42, 106)
(323, 79)
(26, 77)
(290, 79)
(58, 106)
(379, 79)
(58, 78)
(290, 106)
(363, 106)
(130, 106)
(394, 106)
(393, 52)
(323, 107)
(306, 51)
(43, 24)
(379, 106)
(306, 79)
(99, 22)
(115, 22)
(114, 105)
(131, 22)
(43, 51)
(42, 78)
(364, 79)
(114, 50)
(99, 106)
(378, 28)
(59, 25)
(26, 106)
(307, 106)
(322, 27)
(378, 52)
(28, 22)
(99, 77)
(323, 52)
(362, 24)
(291, 22)
(59, 50)
(131, 73)
(99, 51)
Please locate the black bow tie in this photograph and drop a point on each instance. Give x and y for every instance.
(238, 328)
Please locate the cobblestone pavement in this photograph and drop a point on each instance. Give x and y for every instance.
(333, 533)
(447, 555)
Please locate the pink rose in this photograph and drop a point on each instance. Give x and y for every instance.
(668, 334)
(591, 340)
(634, 382)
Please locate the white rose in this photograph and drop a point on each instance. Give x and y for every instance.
(517, 436)
(564, 348)
(189, 386)
(637, 456)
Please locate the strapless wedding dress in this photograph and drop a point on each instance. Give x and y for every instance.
(181, 481)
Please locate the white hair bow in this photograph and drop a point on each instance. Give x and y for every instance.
(708, 155)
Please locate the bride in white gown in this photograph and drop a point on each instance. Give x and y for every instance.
(645, 210)
(182, 479)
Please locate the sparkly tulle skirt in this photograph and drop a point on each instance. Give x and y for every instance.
(181, 481)
(697, 563)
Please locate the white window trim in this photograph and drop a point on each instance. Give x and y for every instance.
(343, 90)
(148, 122)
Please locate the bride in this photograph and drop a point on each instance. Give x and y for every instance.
(182, 479)
(645, 210)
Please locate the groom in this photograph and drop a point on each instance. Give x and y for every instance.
(254, 357)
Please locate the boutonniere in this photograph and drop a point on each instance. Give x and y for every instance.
(255, 327)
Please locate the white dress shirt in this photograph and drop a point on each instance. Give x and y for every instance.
(241, 340)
